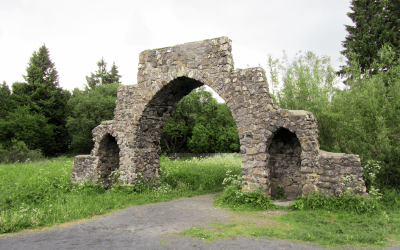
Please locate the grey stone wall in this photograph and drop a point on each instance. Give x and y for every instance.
(166, 75)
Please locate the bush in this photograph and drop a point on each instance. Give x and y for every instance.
(234, 197)
(346, 202)
(88, 109)
(18, 152)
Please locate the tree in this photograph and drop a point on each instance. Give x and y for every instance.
(88, 108)
(199, 124)
(377, 22)
(367, 117)
(5, 100)
(43, 96)
(102, 76)
(305, 83)
(29, 127)
(113, 75)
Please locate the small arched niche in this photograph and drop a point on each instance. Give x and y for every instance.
(284, 163)
(108, 159)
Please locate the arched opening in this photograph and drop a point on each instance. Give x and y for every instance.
(200, 126)
(284, 163)
(154, 116)
(151, 124)
(108, 159)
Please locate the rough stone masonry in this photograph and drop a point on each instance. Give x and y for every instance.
(279, 147)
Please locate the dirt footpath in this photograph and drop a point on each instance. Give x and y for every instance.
(145, 227)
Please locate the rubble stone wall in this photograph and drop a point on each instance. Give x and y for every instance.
(166, 75)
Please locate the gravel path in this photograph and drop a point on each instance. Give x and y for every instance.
(145, 227)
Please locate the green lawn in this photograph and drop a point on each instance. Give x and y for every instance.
(38, 194)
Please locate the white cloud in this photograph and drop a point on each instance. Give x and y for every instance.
(139, 33)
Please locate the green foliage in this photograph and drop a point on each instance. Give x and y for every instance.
(235, 198)
(102, 76)
(18, 152)
(377, 23)
(199, 174)
(327, 229)
(367, 116)
(200, 124)
(370, 171)
(43, 97)
(38, 194)
(307, 82)
(5, 100)
(342, 229)
(390, 200)
(29, 127)
(279, 193)
(346, 202)
(361, 119)
(88, 108)
(140, 186)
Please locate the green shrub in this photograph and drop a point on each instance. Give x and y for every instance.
(18, 152)
(347, 202)
(234, 197)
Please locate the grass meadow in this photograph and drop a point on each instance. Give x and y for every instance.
(40, 194)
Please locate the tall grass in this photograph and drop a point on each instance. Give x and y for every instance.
(40, 194)
(199, 174)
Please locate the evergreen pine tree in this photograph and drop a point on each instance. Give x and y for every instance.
(5, 100)
(113, 75)
(43, 95)
(377, 22)
(102, 76)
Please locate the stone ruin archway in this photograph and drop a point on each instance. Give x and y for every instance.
(165, 75)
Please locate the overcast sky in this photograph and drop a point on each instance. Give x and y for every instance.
(78, 33)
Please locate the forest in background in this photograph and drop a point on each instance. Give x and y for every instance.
(38, 117)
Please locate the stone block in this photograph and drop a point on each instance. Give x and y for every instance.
(247, 165)
(251, 151)
(260, 173)
(309, 188)
(293, 189)
(286, 181)
(306, 170)
(247, 178)
(297, 179)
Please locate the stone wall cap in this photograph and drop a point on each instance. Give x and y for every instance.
(330, 154)
(299, 112)
(82, 156)
(221, 39)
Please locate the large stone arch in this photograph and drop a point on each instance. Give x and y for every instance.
(165, 75)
